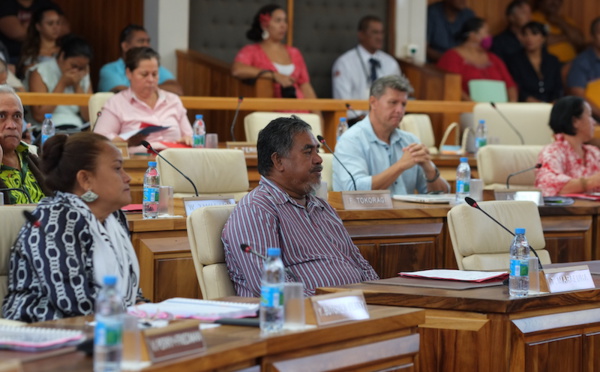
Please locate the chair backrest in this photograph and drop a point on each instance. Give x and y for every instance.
(254, 122)
(496, 162)
(204, 233)
(483, 90)
(214, 171)
(95, 105)
(480, 244)
(327, 173)
(529, 119)
(12, 220)
(420, 126)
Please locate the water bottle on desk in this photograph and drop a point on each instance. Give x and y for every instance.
(108, 333)
(463, 180)
(271, 293)
(518, 281)
(199, 133)
(342, 128)
(48, 129)
(480, 135)
(151, 191)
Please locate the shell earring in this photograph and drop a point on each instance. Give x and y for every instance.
(89, 196)
(265, 34)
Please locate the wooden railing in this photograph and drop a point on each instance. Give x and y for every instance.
(331, 108)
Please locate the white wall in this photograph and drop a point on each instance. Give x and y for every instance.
(411, 28)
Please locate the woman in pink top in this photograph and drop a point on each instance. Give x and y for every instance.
(568, 164)
(268, 56)
(144, 102)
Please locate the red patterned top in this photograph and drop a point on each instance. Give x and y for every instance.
(560, 164)
(253, 55)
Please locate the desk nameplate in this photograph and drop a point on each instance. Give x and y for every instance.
(363, 200)
(249, 148)
(570, 278)
(339, 307)
(179, 339)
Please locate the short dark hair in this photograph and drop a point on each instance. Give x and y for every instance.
(471, 25)
(63, 156)
(593, 25)
(535, 28)
(278, 137)
(134, 55)
(255, 31)
(563, 112)
(510, 8)
(128, 31)
(363, 24)
(74, 46)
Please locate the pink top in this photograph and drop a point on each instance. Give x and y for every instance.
(125, 112)
(254, 55)
(560, 164)
(452, 61)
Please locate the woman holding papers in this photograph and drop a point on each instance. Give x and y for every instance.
(569, 165)
(143, 104)
(76, 237)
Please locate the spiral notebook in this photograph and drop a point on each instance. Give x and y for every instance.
(36, 339)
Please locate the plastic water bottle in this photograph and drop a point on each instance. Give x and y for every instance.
(108, 333)
(518, 282)
(463, 180)
(199, 130)
(342, 127)
(151, 191)
(480, 135)
(271, 293)
(48, 129)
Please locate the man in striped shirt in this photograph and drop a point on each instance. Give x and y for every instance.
(282, 212)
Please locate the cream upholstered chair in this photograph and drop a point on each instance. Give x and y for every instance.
(480, 244)
(327, 173)
(214, 172)
(420, 126)
(254, 122)
(12, 220)
(204, 233)
(95, 104)
(496, 162)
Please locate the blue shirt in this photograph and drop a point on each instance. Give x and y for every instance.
(584, 68)
(365, 155)
(441, 34)
(113, 74)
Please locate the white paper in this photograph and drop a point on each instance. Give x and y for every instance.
(462, 275)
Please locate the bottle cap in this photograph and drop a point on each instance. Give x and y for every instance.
(342, 119)
(464, 160)
(519, 230)
(110, 280)
(274, 252)
(481, 121)
(199, 117)
(48, 116)
(152, 164)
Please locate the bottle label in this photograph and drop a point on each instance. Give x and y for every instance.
(198, 140)
(462, 186)
(271, 296)
(108, 332)
(519, 267)
(151, 194)
(480, 142)
(44, 138)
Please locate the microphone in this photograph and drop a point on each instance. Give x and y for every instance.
(474, 204)
(19, 190)
(246, 248)
(322, 140)
(508, 122)
(237, 111)
(32, 220)
(149, 147)
(537, 166)
(349, 108)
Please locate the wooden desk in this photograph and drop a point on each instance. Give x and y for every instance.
(485, 330)
(387, 340)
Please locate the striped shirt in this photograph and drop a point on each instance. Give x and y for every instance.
(314, 244)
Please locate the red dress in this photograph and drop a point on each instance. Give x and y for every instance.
(254, 55)
(452, 61)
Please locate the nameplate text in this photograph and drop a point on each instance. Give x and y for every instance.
(178, 339)
(563, 279)
(375, 199)
(340, 307)
(249, 148)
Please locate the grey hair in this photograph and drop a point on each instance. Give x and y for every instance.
(396, 82)
(7, 89)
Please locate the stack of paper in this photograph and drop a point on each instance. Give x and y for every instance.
(193, 308)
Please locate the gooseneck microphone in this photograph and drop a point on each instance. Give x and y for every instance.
(32, 220)
(237, 111)
(508, 122)
(474, 204)
(149, 147)
(246, 248)
(349, 108)
(322, 140)
(19, 190)
(537, 166)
